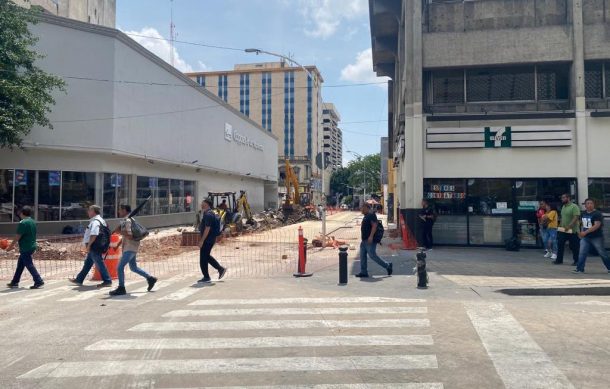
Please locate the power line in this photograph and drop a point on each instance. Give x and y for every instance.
(186, 43)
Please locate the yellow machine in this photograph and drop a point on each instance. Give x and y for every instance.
(293, 195)
(244, 207)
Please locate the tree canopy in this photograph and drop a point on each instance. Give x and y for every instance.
(25, 89)
(361, 173)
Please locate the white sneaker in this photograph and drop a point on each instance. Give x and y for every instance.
(554, 257)
(548, 254)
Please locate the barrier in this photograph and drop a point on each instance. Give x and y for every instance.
(343, 265)
(111, 258)
(302, 256)
(408, 240)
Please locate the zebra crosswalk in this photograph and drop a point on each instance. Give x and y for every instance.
(285, 342)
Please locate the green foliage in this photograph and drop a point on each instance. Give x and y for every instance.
(25, 90)
(361, 173)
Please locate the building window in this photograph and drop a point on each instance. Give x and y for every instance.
(490, 207)
(244, 94)
(167, 196)
(448, 87)
(223, 87)
(553, 82)
(6, 195)
(289, 114)
(189, 196)
(599, 190)
(594, 80)
(309, 109)
(500, 84)
(448, 197)
(25, 186)
(176, 196)
(266, 100)
(78, 193)
(49, 193)
(116, 192)
(201, 80)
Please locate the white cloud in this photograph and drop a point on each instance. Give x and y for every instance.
(203, 67)
(152, 40)
(323, 17)
(361, 71)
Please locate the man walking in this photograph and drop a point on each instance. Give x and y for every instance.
(591, 235)
(568, 229)
(427, 218)
(130, 251)
(209, 229)
(368, 246)
(26, 238)
(94, 254)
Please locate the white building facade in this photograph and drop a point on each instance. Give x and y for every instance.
(128, 127)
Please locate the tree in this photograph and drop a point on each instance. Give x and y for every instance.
(25, 90)
(364, 170)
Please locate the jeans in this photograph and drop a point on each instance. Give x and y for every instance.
(25, 262)
(574, 244)
(551, 240)
(585, 246)
(427, 235)
(92, 258)
(205, 258)
(129, 257)
(371, 251)
(544, 236)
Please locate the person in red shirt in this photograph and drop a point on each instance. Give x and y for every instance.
(543, 228)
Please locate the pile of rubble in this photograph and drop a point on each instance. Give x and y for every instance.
(270, 219)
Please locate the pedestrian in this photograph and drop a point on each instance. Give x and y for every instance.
(427, 217)
(97, 226)
(26, 239)
(368, 246)
(551, 219)
(130, 251)
(542, 226)
(209, 229)
(591, 236)
(568, 229)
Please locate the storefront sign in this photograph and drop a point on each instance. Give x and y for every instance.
(54, 178)
(528, 205)
(233, 135)
(444, 192)
(498, 137)
(21, 177)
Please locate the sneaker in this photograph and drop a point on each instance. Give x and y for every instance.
(104, 284)
(222, 272)
(548, 254)
(554, 257)
(151, 283)
(75, 282)
(120, 291)
(37, 285)
(205, 281)
(11, 285)
(389, 269)
(362, 275)
(578, 271)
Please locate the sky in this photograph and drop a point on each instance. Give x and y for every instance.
(333, 35)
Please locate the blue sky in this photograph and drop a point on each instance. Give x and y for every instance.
(331, 34)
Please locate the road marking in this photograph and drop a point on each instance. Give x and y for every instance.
(12, 292)
(260, 342)
(518, 359)
(88, 294)
(181, 294)
(237, 365)
(160, 284)
(44, 294)
(278, 325)
(296, 311)
(425, 385)
(305, 300)
(591, 302)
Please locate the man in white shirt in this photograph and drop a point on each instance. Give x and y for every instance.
(94, 256)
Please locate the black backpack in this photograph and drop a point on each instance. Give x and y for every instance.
(102, 241)
(379, 232)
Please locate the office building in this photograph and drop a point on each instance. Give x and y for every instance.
(100, 12)
(333, 137)
(494, 105)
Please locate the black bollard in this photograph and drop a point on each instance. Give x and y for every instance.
(422, 274)
(342, 265)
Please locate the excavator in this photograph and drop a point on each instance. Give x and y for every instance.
(294, 198)
(232, 210)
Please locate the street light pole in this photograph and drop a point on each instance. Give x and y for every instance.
(290, 60)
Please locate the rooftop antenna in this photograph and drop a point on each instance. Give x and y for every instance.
(172, 33)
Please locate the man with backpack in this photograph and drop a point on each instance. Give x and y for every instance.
(132, 233)
(371, 232)
(96, 241)
(209, 230)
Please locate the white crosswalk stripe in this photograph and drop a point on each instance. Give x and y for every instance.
(413, 385)
(88, 294)
(277, 325)
(305, 300)
(161, 284)
(181, 294)
(296, 311)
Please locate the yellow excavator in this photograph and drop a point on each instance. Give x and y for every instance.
(244, 207)
(294, 198)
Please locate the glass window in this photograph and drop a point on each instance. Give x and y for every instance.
(6, 195)
(500, 84)
(163, 196)
(49, 189)
(448, 87)
(78, 193)
(176, 196)
(599, 190)
(448, 197)
(25, 186)
(490, 207)
(146, 186)
(189, 196)
(553, 82)
(593, 80)
(116, 192)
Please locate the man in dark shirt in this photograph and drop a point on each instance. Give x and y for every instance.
(591, 235)
(368, 246)
(427, 219)
(207, 239)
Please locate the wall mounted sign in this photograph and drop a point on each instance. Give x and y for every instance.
(498, 137)
(444, 192)
(232, 135)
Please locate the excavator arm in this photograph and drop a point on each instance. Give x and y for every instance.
(291, 182)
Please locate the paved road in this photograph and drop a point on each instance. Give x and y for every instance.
(303, 333)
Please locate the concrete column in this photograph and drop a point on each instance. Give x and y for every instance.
(578, 74)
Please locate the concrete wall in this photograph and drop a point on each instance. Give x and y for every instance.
(598, 143)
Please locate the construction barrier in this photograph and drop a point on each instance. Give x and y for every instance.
(111, 258)
(302, 263)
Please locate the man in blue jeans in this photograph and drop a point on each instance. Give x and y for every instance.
(26, 238)
(591, 235)
(368, 246)
(130, 250)
(93, 256)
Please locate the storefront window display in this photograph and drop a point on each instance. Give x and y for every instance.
(449, 199)
(167, 196)
(6, 195)
(116, 192)
(599, 190)
(78, 193)
(490, 209)
(25, 187)
(49, 194)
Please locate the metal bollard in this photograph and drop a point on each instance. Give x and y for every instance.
(343, 265)
(422, 274)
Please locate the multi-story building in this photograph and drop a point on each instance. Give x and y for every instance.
(333, 137)
(494, 105)
(285, 101)
(100, 12)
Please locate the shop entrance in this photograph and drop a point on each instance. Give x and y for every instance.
(487, 211)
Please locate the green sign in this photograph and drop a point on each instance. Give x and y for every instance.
(497, 137)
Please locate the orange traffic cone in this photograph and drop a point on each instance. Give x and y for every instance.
(111, 258)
